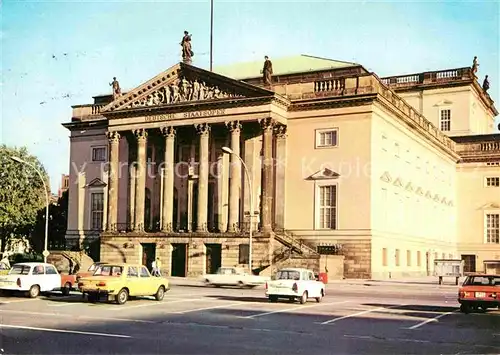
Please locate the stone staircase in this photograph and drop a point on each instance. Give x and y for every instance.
(69, 261)
(295, 244)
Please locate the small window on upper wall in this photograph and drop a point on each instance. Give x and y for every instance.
(445, 120)
(98, 153)
(326, 138)
(492, 181)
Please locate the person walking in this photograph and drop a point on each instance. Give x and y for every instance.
(158, 267)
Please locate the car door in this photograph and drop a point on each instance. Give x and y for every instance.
(38, 277)
(52, 277)
(312, 285)
(148, 282)
(133, 281)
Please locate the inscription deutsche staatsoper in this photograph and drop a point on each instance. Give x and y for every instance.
(181, 115)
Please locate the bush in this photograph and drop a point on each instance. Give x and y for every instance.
(25, 258)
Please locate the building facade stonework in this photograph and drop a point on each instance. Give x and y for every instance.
(386, 172)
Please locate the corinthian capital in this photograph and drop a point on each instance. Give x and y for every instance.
(140, 134)
(234, 126)
(203, 129)
(168, 131)
(280, 131)
(113, 136)
(267, 124)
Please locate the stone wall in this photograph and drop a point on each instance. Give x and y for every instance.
(357, 258)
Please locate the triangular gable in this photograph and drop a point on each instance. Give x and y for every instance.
(428, 194)
(409, 186)
(183, 83)
(444, 200)
(419, 191)
(398, 182)
(436, 197)
(96, 183)
(386, 177)
(450, 203)
(324, 174)
(490, 206)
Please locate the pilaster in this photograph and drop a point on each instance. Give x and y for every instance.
(141, 136)
(280, 170)
(168, 179)
(267, 125)
(114, 141)
(203, 130)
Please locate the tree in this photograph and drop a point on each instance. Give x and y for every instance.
(21, 193)
(58, 221)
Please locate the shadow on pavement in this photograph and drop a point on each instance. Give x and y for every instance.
(240, 298)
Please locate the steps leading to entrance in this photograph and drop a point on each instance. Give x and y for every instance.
(69, 261)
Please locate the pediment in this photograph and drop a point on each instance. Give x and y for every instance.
(398, 182)
(96, 183)
(428, 194)
(419, 191)
(436, 198)
(444, 201)
(409, 186)
(184, 83)
(386, 177)
(490, 206)
(324, 174)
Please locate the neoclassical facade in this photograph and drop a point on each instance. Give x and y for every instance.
(333, 160)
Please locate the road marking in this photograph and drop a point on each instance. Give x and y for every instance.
(296, 308)
(208, 308)
(64, 331)
(52, 315)
(435, 319)
(63, 304)
(359, 314)
(22, 300)
(156, 303)
(370, 337)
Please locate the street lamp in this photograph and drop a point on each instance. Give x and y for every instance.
(230, 151)
(19, 160)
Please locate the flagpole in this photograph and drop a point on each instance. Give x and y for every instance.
(211, 31)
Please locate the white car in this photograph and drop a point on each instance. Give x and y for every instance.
(234, 276)
(32, 278)
(295, 284)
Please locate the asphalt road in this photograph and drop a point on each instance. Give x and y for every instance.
(201, 320)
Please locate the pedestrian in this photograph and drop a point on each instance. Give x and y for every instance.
(158, 267)
(153, 268)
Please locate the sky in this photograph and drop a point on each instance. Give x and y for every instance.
(55, 54)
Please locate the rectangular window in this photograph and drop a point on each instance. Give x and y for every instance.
(445, 120)
(244, 254)
(493, 181)
(493, 228)
(408, 258)
(384, 257)
(326, 138)
(97, 210)
(98, 153)
(396, 257)
(419, 258)
(328, 207)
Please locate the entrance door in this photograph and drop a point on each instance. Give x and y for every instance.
(214, 257)
(469, 263)
(179, 260)
(148, 254)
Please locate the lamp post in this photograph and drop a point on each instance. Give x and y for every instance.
(247, 174)
(19, 160)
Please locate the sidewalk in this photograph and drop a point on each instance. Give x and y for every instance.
(428, 281)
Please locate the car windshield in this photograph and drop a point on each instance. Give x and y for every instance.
(93, 267)
(288, 275)
(20, 270)
(482, 281)
(109, 270)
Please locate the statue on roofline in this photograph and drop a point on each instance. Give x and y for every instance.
(187, 52)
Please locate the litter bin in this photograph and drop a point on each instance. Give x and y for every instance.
(323, 277)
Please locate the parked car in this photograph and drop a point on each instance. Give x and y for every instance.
(118, 282)
(68, 283)
(234, 276)
(32, 278)
(90, 271)
(292, 283)
(479, 291)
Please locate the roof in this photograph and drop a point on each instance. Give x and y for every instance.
(281, 66)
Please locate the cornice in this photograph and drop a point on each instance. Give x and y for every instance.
(331, 102)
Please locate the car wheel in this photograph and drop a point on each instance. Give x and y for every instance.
(484, 308)
(34, 291)
(303, 298)
(122, 296)
(241, 284)
(160, 293)
(273, 299)
(318, 299)
(465, 308)
(66, 289)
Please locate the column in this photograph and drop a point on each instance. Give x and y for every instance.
(267, 125)
(235, 177)
(140, 179)
(280, 169)
(131, 207)
(204, 132)
(222, 190)
(168, 180)
(114, 143)
(252, 149)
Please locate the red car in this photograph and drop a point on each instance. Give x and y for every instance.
(479, 291)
